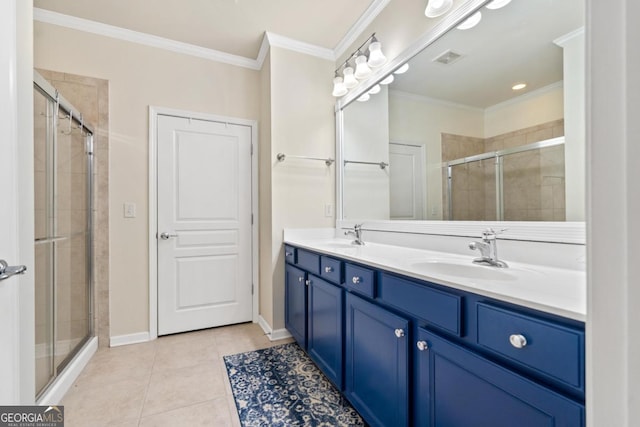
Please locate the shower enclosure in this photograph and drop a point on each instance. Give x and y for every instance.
(63, 164)
(524, 183)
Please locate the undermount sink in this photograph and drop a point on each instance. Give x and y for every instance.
(466, 270)
(338, 245)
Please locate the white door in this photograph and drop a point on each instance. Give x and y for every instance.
(17, 323)
(204, 224)
(406, 181)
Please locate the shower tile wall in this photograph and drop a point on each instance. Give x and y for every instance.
(90, 96)
(534, 187)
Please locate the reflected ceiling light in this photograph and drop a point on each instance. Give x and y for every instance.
(402, 69)
(470, 22)
(374, 90)
(339, 88)
(519, 86)
(350, 80)
(362, 69)
(497, 4)
(364, 97)
(387, 80)
(437, 8)
(376, 57)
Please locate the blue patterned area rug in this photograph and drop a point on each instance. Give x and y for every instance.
(281, 386)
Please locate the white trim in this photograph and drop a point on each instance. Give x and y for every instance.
(359, 26)
(562, 40)
(118, 340)
(278, 334)
(264, 50)
(277, 40)
(525, 96)
(55, 394)
(124, 34)
(434, 101)
(154, 112)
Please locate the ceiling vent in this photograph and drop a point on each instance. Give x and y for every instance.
(447, 57)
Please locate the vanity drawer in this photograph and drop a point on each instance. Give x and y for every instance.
(289, 254)
(331, 269)
(550, 349)
(439, 308)
(308, 261)
(359, 279)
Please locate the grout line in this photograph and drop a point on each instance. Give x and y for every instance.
(146, 390)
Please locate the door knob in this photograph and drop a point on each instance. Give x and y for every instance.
(7, 271)
(166, 236)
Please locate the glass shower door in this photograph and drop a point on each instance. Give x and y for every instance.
(63, 243)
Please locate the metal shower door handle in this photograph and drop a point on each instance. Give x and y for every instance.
(7, 271)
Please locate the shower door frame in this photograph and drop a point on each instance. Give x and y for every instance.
(59, 102)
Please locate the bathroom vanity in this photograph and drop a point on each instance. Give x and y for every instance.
(415, 337)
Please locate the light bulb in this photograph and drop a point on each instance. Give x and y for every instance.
(339, 88)
(364, 97)
(349, 79)
(402, 69)
(362, 69)
(470, 22)
(374, 90)
(497, 4)
(376, 57)
(437, 8)
(387, 80)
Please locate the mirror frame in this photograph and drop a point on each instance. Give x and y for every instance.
(570, 232)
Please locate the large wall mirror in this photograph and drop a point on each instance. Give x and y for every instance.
(454, 138)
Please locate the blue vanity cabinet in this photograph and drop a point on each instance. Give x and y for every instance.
(295, 308)
(376, 362)
(458, 387)
(325, 326)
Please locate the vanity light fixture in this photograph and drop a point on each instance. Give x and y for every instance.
(349, 78)
(374, 90)
(519, 86)
(437, 8)
(364, 97)
(497, 4)
(470, 22)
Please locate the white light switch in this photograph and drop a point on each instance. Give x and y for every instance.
(328, 210)
(129, 210)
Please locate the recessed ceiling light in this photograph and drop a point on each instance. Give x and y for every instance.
(497, 4)
(519, 86)
(470, 22)
(437, 8)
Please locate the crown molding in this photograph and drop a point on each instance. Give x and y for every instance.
(562, 40)
(85, 25)
(525, 96)
(277, 40)
(434, 101)
(359, 26)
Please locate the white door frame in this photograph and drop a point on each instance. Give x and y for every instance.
(423, 159)
(154, 112)
(17, 343)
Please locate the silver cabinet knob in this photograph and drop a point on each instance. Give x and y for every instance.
(422, 345)
(300, 279)
(328, 269)
(307, 282)
(166, 236)
(288, 254)
(356, 280)
(518, 341)
(399, 333)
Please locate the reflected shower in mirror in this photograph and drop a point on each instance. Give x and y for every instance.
(486, 124)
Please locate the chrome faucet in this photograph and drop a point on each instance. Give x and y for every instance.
(488, 249)
(357, 233)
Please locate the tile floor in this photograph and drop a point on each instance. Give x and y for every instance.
(177, 380)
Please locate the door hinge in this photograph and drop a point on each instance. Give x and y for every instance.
(251, 219)
(252, 289)
(252, 149)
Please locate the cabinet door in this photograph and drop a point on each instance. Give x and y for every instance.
(458, 388)
(376, 363)
(325, 328)
(295, 307)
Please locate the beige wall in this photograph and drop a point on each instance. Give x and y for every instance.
(140, 76)
(302, 124)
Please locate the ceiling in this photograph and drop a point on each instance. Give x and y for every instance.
(509, 45)
(231, 26)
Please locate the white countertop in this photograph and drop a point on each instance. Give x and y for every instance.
(553, 290)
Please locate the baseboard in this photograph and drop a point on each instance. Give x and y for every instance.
(119, 340)
(278, 334)
(55, 393)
